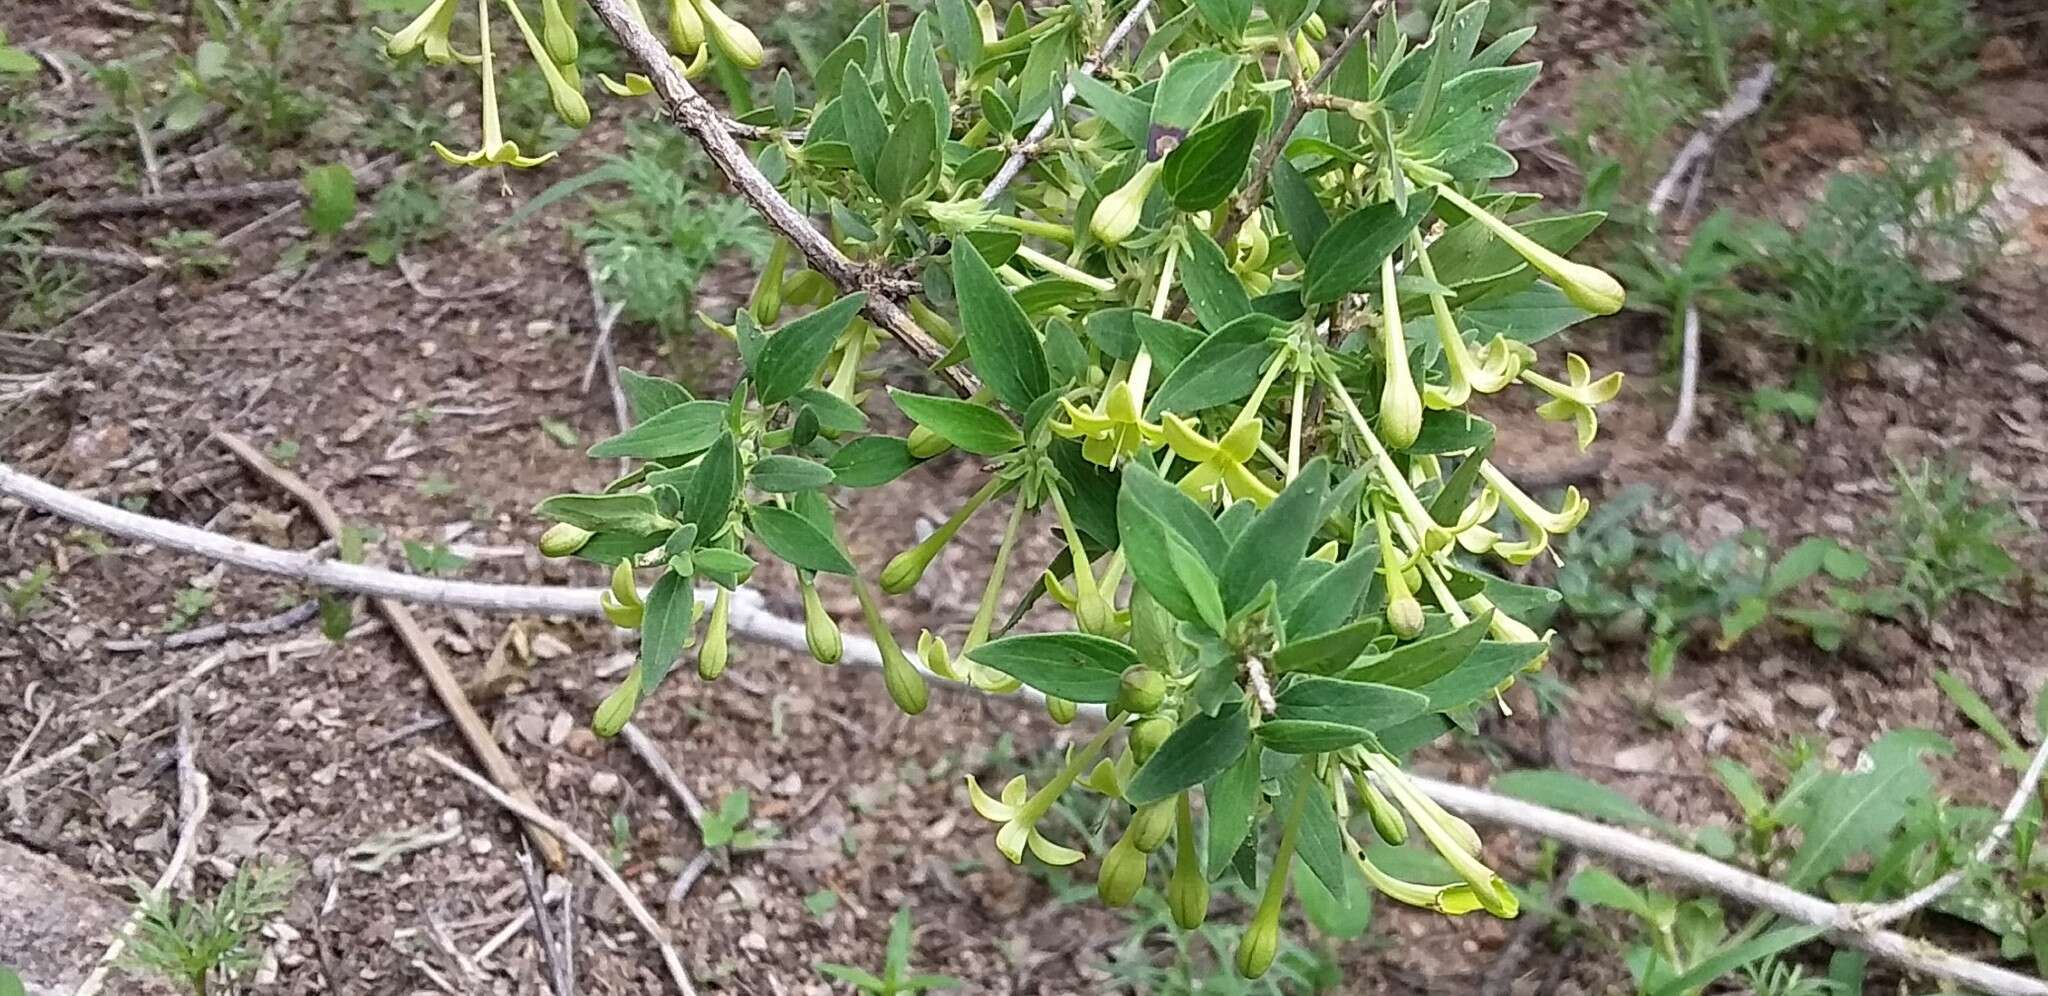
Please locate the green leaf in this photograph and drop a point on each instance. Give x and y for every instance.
(713, 487)
(781, 473)
(1201, 749)
(1729, 959)
(799, 541)
(1473, 105)
(1206, 168)
(1214, 292)
(1528, 317)
(1277, 539)
(1168, 342)
(859, 978)
(1310, 736)
(1190, 86)
(1855, 813)
(977, 429)
(666, 628)
(1128, 115)
(1599, 887)
(1353, 703)
(633, 512)
(1227, 17)
(1004, 346)
(1321, 845)
(871, 461)
(1340, 919)
(791, 358)
(1973, 706)
(1330, 600)
(1580, 796)
(1168, 567)
(1231, 801)
(10, 983)
(1301, 212)
(16, 61)
(1145, 491)
(866, 130)
(1415, 665)
(1475, 678)
(330, 198)
(684, 430)
(1077, 667)
(650, 396)
(1223, 369)
(834, 414)
(1451, 432)
(1347, 257)
(909, 156)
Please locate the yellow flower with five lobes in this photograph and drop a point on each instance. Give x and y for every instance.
(428, 34)
(1538, 522)
(1117, 216)
(1018, 813)
(1589, 287)
(1453, 839)
(685, 27)
(734, 41)
(495, 150)
(1574, 401)
(821, 631)
(563, 539)
(1400, 403)
(1219, 466)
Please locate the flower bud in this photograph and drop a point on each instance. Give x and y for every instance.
(904, 681)
(1315, 28)
(1588, 287)
(1386, 820)
(821, 632)
(617, 708)
(1150, 825)
(685, 27)
(1400, 402)
(1096, 616)
(717, 650)
(733, 40)
(1404, 617)
(624, 589)
(563, 539)
(1121, 875)
(1141, 690)
(925, 444)
(1117, 216)
(985, 17)
(1148, 736)
(1061, 710)
(622, 616)
(557, 33)
(1187, 892)
(1259, 945)
(1306, 54)
(907, 567)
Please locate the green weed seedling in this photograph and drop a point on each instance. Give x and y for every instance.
(208, 945)
(896, 978)
(1946, 538)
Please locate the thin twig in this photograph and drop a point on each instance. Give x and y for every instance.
(1043, 126)
(149, 282)
(543, 930)
(689, 876)
(290, 619)
(644, 747)
(201, 800)
(152, 171)
(1747, 99)
(527, 811)
(410, 273)
(475, 732)
(1688, 377)
(13, 762)
(124, 259)
(127, 719)
(179, 200)
(1869, 916)
(602, 353)
(703, 122)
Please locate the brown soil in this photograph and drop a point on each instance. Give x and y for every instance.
(420, 416)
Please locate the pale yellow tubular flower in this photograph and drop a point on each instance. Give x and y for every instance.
(734, 41)
(1588, 287)
(1219, 466)
(1452, 838)
(1538, 522)
(495, 150)
(1574, 401)
(568, 101)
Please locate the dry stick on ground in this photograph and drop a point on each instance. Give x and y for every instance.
(750, 620)
(543, 930)
(195, 801)
(289, 619)
(1043, 126)
(649, 752)
(527, 811)
(127, 719)
(125, 259)
(1693, 161)
(475, 732)
(1868, 916)
(254, 190)
(708, 127)
(602, 353)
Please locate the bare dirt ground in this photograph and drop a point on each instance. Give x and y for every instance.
(419, 414)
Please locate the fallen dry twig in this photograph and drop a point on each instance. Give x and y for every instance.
(475, 732)
(290, 619)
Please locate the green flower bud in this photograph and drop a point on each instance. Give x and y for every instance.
(1141, 690)
(685, 27)
(568, 101)
(925, 444)
(1404, 616)
(1061, 710)
(717, 651)
(904, 681)
(734, 41)
(1260, 944)
(563, 539)
(624, 588)
(821, 632)
(1588, 287)
(907, 567)
(617, 708)
(1306, 54)
(1147, 737)
(1150, 825)
(1094, 615)
(557, 34)
(765, 304)
(1315, 28)
(1117, 216)
(623, 616)
(1121, 875)
(1187, 892)
(1386, 820)
(1400, 402)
